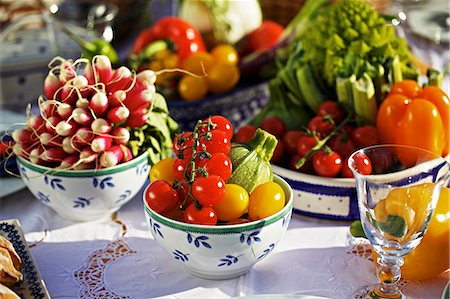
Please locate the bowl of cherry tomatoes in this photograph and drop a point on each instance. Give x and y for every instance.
(323, 185)
(203, 218)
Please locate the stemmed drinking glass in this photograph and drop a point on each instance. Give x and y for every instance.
(396, 201)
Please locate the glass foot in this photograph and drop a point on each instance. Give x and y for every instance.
(370, 292)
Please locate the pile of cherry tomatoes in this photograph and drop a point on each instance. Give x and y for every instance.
(329, 127)
(192, 187)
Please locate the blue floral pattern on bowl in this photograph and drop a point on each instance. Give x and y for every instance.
(85, 194)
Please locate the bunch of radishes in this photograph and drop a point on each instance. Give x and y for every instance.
(86, 115)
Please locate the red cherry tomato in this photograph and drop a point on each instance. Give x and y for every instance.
(305, 144)
(245, 133)
(218, 143)
(307, 167)
(278, 152)
(342, 145)
(182, 145)
(179, 169)
(365, 136)
(208, 190)
(361, 163)
(274, 125)
(183, 193)
(290, 140)
(265, 36)
(327, 164)
(219, 164)
(333, 109)
(346, 172)
(219, 123)
(204, 215)
(161, 197)
(321, 125)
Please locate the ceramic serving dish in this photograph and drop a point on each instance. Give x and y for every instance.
(222, 251)
(83, 195)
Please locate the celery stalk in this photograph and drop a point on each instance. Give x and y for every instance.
(365, 104)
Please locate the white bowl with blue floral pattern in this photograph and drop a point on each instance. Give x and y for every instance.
(84, 195)
(222, 251)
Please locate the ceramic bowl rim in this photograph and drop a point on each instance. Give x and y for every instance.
(230, 228)
(86, 172)
(291, 174)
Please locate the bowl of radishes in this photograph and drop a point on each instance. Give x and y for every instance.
(98, 130)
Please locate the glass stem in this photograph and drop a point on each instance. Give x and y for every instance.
(389, 274)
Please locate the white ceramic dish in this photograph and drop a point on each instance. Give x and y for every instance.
(32, 285)
(223, 251)
(83, 195)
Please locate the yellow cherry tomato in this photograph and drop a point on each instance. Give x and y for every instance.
(234, 203)
(265, 200)
(198, 63)
(192, 88)
(222, 78)
(225, 54)
(163, 170)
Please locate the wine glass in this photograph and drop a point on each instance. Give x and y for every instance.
(396, 201)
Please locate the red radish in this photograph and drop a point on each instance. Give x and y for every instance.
(82, 116)
(118, 114)
(69, 91)
(101, 143)
(50, 139)
(137, 119)
(111, 156)
(64, 110)
(120, 135)
(66, 128)
(87, 155)
(83, 166)
(47, 108)
(139, 100)
(68, 145)
(18, 150)
(36, 123)
(103, 69)
(101, 126)
(120, 80)
(22, 136)
(83, 136)
(88, 73)
(53, 154)
(99, 103)
(51, 85)
(117, 98)
(68, 162)
(35, 155)
(146, 78)
(127, 154)
(82, 103)
(67, 71)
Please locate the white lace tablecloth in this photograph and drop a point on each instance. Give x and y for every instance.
(107, 259)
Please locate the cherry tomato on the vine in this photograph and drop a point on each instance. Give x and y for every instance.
(163, 170)
(333, 109)
(321, 125)
(290, 140)
(274, 125)
(182, 144)
(218, 143)
(306, 167)
(219, 123)
(208, 190)
(183, 193)
(218, 164)
(225, 54)
(245, 133)
(362, 164)
(179, 169)
(234, 203)
(365, 136)
(204, 215)
(327, 164)
(346, 172)
(278, 152)
(305, 144)
(161, 197)
(265, 200)
(342, 145)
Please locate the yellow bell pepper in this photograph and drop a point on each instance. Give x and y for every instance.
(431, 256)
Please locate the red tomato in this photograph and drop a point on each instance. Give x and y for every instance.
(361, 163)
(333, 109)
(208, 190)
(307, 167)
(219, 123)
(179, 169)
(204, 215)
(305, 144)
(183, 193)
(320, 125)
(290, 140)
(327, 164)
(346, 172)
(274, 125)
(278, 152)
(219, 164)
(265, 36)
(182, 144)
(245, 133)
(218, 143)
(342, 145)
(161, 197)
(365, 136)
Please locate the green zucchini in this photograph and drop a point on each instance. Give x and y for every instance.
(251, 161)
